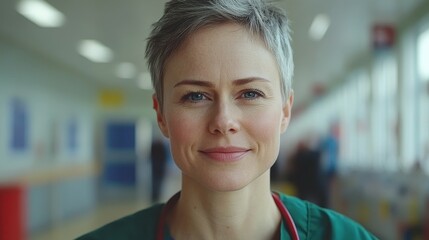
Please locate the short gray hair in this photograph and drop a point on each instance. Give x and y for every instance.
(184, 17)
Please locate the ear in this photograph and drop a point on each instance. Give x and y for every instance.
(159, 116)
(287, 111)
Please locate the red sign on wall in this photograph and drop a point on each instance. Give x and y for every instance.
(383, 36)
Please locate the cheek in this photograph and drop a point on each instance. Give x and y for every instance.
(266, 126)
(182, 128)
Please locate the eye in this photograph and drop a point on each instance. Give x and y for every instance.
(194, 97)
(251, 94)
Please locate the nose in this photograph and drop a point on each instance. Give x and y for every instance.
(224, 119)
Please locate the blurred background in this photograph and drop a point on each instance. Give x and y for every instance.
(78, 133)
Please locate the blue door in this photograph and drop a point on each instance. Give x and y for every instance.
(119, 154)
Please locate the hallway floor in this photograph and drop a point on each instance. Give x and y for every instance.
(75, 227)
(106, 212)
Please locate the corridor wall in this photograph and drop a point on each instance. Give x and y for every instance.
(47, 117)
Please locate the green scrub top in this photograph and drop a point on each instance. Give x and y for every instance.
(312, 222)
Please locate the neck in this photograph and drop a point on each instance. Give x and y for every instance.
(248, 213)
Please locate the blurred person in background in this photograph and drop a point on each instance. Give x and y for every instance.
(158, 155)
(329, 149)
(222, 73)
(306, 175)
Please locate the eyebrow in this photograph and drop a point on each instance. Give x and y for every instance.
(236, 82)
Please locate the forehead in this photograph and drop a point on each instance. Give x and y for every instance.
(223, 34)
(227, 49)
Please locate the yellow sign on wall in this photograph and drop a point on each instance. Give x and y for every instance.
(111, 98)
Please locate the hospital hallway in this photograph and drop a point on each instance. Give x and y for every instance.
(80, 144)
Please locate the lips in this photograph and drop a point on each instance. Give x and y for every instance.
(225, 154)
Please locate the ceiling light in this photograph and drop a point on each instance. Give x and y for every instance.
(41, 13)
(319, 26)
(95, 51)
(125, 70)
(144, 81)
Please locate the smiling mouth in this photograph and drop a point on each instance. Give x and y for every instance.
(225, 154)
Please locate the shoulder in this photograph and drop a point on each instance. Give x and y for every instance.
(314, 222)
(141, 223)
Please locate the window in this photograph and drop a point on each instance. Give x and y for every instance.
(415, 97)
(423, 54)
(384, 112)
(423, 99)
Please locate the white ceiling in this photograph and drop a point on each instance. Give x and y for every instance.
(124, 25)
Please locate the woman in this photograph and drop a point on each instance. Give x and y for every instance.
(222, 73)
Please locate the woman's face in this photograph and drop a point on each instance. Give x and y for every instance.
(223, 109)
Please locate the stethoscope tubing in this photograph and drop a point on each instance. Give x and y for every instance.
(293, 231)
(290, 224)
